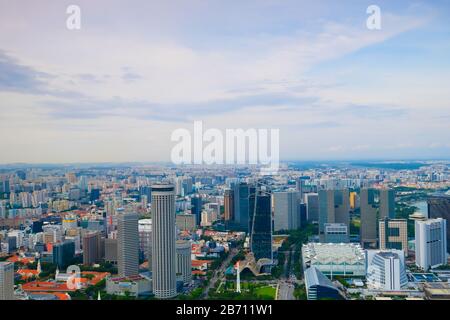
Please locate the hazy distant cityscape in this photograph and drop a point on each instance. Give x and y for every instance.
(313, 231)
(215, 157)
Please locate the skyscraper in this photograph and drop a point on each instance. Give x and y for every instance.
(312, 206)
(387, 203)
(261, 229)
(242, 206)
(393, 234)
(163, 241)
(63, 253)
(228, 202)
(300, 186)
(334, 207)
(368, 218)
(6, 281)
(184, 262)
(431, 243)
(145, 238)
(243, 195)
(127, 245)
(439, 207)
(286, 210)
(196, 207)
(91, 248)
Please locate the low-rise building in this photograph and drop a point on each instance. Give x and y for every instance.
(134, 286)
(335, 259)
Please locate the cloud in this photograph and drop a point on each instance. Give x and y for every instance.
(20, 78)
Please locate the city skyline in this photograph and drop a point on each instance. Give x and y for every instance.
(114, 90)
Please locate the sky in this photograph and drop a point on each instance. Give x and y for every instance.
(115, 90)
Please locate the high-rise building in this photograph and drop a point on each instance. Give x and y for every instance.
(92, 251)
(242, 206)
(334, 207)
(6, 281)
(127, 245)
(186, 222)
(163, 241)
(261, 229)
(369, 219)
(387, 203)
(184, 262)
(228, 202)
(196, 207)
(439, 207)
(286, 210)
(63, 253)
(302, 214)
(393, 234)
(300, 184)
(386, 270)
(312, 206)
(111, 250)
(145, 238)
(336, 233)
(145, 191)
(431, 243)
(353, 197)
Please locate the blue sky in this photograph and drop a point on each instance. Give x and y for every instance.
(137, 70)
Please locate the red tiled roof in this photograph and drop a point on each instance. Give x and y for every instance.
(36, 286)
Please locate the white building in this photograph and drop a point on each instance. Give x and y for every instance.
(386, 270)
(335, 259)
(431, 243)
(134, 286)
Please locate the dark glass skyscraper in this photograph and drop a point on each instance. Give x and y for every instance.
(196, 207)
(261, 227)
(439, 207)
(63, 253)
(243, 207)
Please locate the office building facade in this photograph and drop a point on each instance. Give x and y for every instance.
(386, 270)
(261, 229)
(439, 207)
(336, 233)
(228, 203)
(387, 203)
(431, 243)
(286, 210)
(6, 281)
(369, 213)
(184, 262)
(312, 206)
(334, 207)
(127, 245)
(163, 241)
(393, 234)
(91, 248)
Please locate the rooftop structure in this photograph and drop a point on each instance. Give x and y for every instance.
(346, 259)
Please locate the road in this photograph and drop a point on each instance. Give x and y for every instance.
(219, 271)
(285, 291)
